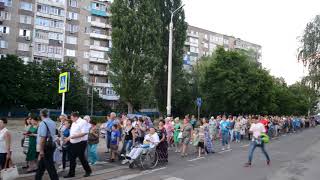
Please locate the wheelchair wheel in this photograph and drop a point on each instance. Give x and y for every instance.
(149, 160)
(131, 165)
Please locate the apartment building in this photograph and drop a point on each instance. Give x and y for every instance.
(61, 29)
(201, 42)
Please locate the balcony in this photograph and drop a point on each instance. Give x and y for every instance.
(99, 12)
(193, 35)
(102, 61)
(110, 97)
(45, 28)
(52, 3)
(50, 16)
(100, 24)
(100, 48)
(100, 36)
(109, 85)
(48, 55)
(97, 72)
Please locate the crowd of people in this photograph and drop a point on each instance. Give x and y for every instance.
(46, 142)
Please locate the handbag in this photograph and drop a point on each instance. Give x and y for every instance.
(49, 146)
(10, 173)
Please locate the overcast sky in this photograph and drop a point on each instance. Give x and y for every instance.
(274, 24)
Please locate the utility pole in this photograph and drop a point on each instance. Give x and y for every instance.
(169, 91)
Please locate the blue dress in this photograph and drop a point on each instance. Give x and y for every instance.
(208, 140)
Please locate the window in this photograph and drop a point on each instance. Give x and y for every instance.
(55, 36)
(86, 55)
(73, 3)
(25, 19)
(4, 29)
(41, 48)
(26, 6)
(71, 40)
(7, 2)
(50, 10)
(70, 52)
(72, 28)
(72, 15)
(96, 43)
(23, 47)
(24, 33)
(89, 18)
(97, 54)
(206, 37)
(5, 15)
(194, 49)
(49, 23)
(3, 44)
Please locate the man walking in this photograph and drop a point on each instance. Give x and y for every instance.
(78, 145)
(257, 129)
(46, 130)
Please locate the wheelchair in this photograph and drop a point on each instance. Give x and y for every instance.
(148, 159)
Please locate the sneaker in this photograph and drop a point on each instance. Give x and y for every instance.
(228, 146)
(248, 164)
(222, 149)
(124, 161)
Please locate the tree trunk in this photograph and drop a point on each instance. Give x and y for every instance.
(130, 107)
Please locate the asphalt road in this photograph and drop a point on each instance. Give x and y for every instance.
(293, 157)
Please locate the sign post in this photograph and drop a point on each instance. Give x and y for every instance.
(64, 84)
(199, 103)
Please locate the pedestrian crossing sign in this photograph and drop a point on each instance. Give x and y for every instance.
(64, 81)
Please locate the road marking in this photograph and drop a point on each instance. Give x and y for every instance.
(225, 151)
(131, 176)
(195, 159)
(246, 145)
(173, 178)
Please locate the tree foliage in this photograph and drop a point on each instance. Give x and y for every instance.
(35, 85)
(136, 36)
(231, 83)
(309, 52)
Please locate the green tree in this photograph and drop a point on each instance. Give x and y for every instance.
(136, 36)
(179, 37)
(12, 74)
(35, 85)
(233, 84)
(309, 51)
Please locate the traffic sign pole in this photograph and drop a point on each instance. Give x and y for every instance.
(63, 100)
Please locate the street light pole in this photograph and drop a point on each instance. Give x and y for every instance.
(170, 63)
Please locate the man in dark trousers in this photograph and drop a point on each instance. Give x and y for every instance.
(78, 145)
(47, 128)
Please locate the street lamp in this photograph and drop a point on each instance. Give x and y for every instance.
(170, 62)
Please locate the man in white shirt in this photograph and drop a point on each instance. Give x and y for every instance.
(150, 141)
(78, 140)
(257, 129)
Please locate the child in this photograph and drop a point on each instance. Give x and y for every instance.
(114, 143)
(195, 137)
(201, 140)
(65, 146)
(93, 141)
(177, 135)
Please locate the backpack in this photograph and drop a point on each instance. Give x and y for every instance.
(265, 138)
(49, 145)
